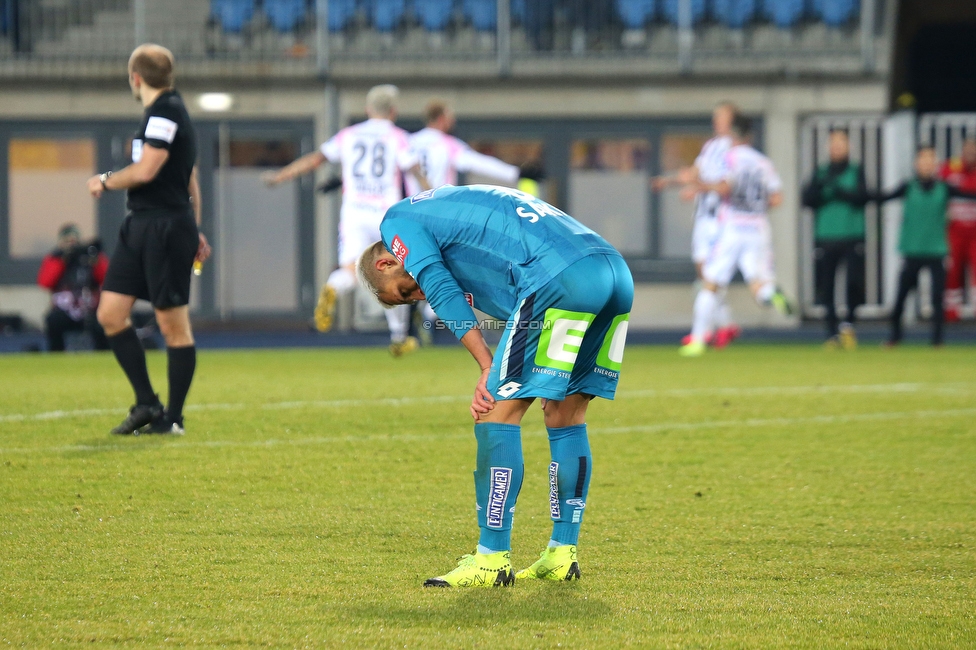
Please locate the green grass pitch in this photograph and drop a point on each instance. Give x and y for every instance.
(760, 496)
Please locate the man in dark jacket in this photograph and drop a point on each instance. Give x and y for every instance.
(837, 193)
(73, 273)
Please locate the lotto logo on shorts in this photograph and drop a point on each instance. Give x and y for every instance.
(554, 490)
(501, 482)
(398, 249)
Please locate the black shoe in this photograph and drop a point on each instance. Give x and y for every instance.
(139, 416)
(164, 424)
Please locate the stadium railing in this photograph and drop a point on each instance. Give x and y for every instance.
(446, 38)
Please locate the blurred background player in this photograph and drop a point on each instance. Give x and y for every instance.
(708, 168)
(372, 155)
(566, 295)
(749, 187)
(923, 241)
(838, 193)
(442, 156)
(73, 273)
(158, 243)
(961, 173)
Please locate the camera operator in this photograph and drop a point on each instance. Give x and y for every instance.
(73, 272)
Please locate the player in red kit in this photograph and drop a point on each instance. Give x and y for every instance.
(961, 173)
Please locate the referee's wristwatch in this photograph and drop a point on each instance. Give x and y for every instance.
(104, 177)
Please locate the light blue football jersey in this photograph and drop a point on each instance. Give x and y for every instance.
(497, 243)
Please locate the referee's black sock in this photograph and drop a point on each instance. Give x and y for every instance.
(130, 355)
(181, 364)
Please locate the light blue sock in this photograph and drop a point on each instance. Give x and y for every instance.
(569, 481)
(497, 482)
(554, 544)
(484, 550)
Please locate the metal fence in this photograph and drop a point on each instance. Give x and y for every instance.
(430, 37)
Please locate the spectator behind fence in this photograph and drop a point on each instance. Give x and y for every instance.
(923, 242)
(73, 272)
(837, 194)
(961, 172)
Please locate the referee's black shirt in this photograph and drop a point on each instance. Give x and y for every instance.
(165, 125)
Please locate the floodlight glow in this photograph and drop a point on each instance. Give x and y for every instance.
(215, 102)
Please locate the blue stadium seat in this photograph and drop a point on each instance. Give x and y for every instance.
(518, 10)
(340, 14)
(433, 14)
(783, 13)
(634, 14)
(835, 13)
(734, 13)
(284, 15)
(670, 11)
(232, 15)
(387, 14)
(483, 14)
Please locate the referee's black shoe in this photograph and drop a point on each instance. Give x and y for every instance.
(139, 416)
(165, 424)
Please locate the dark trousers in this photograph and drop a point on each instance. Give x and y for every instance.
(907, 281)
(58, 323)
(828, 256)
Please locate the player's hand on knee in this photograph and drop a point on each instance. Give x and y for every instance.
(483, 401)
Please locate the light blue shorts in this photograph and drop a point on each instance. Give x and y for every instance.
(567, 337)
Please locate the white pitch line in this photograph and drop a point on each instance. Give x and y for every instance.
(955, 387)
(651, 428)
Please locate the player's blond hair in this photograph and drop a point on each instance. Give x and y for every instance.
(369, 275)
(381, 101)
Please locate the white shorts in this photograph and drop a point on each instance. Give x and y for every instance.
(703, 237)
(743, 246)
(357, 231)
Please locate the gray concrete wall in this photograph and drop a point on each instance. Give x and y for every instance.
(781, 104)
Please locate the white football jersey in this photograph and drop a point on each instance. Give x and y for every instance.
(442, 156)
(711, 169)
(372, 154)
(753, 180)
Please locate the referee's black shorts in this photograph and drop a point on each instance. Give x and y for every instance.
(154, 258)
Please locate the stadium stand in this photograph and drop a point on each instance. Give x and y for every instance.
(232, 15)
(285, 15)
(434, 15)
(835, 13)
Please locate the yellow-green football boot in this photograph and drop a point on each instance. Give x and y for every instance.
(492, 570)
(555, 563)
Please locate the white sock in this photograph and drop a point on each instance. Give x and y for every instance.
(705, 304)
(484, 550)
(398, 319)
(765, 293)
(428, 313)
(723, 315)
(342, 280)
(554, 544)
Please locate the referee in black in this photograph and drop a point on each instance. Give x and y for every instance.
(158, 243)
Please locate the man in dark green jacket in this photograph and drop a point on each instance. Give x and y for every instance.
(837, 193)
(923, 240)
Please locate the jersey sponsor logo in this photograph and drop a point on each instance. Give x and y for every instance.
(159, 128)
(398, 249)
(469, 298)
(422, 196)
(501, 482)
(509, 389)
(561, 338)
(136, 150)
(554, 490)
